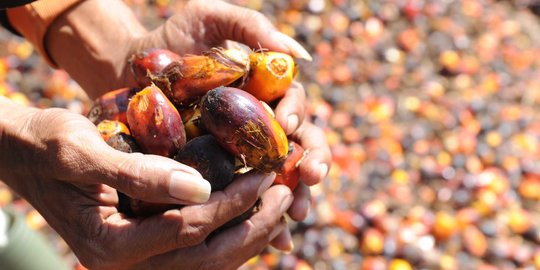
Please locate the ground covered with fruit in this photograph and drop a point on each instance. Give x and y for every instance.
(432, 112)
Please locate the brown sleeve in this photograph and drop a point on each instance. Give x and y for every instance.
(32, 21)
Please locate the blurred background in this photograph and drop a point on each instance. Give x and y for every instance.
(432, 111)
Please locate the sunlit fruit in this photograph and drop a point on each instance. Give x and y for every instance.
(150, 61)
(244, 127)
(155, 123)
(270, 75)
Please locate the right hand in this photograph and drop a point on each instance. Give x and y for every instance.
(59, 163)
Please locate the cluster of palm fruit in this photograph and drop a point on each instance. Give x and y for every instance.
(207, 111)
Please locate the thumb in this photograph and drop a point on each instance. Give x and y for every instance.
(145, 177)
(157, 179)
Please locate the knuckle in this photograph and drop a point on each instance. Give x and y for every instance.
(236, 204)
(255, 16)
(193, 235)
(130, 177)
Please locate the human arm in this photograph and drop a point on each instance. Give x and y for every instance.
(58, 162)
(94, 46)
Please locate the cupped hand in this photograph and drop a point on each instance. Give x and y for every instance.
(199, 27)
(233, 247)
(110, 41)
(60, 164)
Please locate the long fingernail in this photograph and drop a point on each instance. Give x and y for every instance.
(296, 49)
(266, 182)
(188, 187)
(286, 203)
(323, 171)
(292, 123)
(290, 244)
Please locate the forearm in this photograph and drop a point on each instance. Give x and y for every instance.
(92, 42)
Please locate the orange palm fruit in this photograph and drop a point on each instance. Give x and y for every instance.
(445, 226)
(372, 242)
(270, 75)
(474, 241)
(185, 81)
(110, 128)
(244, 127)
(288, 173)
(192, 119)
(112, 106)
(155, 123)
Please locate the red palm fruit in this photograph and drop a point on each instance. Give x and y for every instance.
(270, 75)
(112, 106)
(185, 81)
(151, 61)
(244, 127)
(210, 159)
(155, 123)
(288, 173)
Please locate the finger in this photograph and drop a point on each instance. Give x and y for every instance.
(283, 241)
(315, 165)
(236, 199)
(185, 227)
(246, 26)
(302, 201)
(232, 247)
(290, 111)
(242, 242)
(146, 177)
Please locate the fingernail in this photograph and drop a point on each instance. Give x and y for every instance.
(290, 244)
(188, 187)
(286, 203)
(292, 123)
(296, 49)
(323, 170)
(266, 182)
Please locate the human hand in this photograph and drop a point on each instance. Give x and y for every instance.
(199, 27)
(196, 28)
(58, 162)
